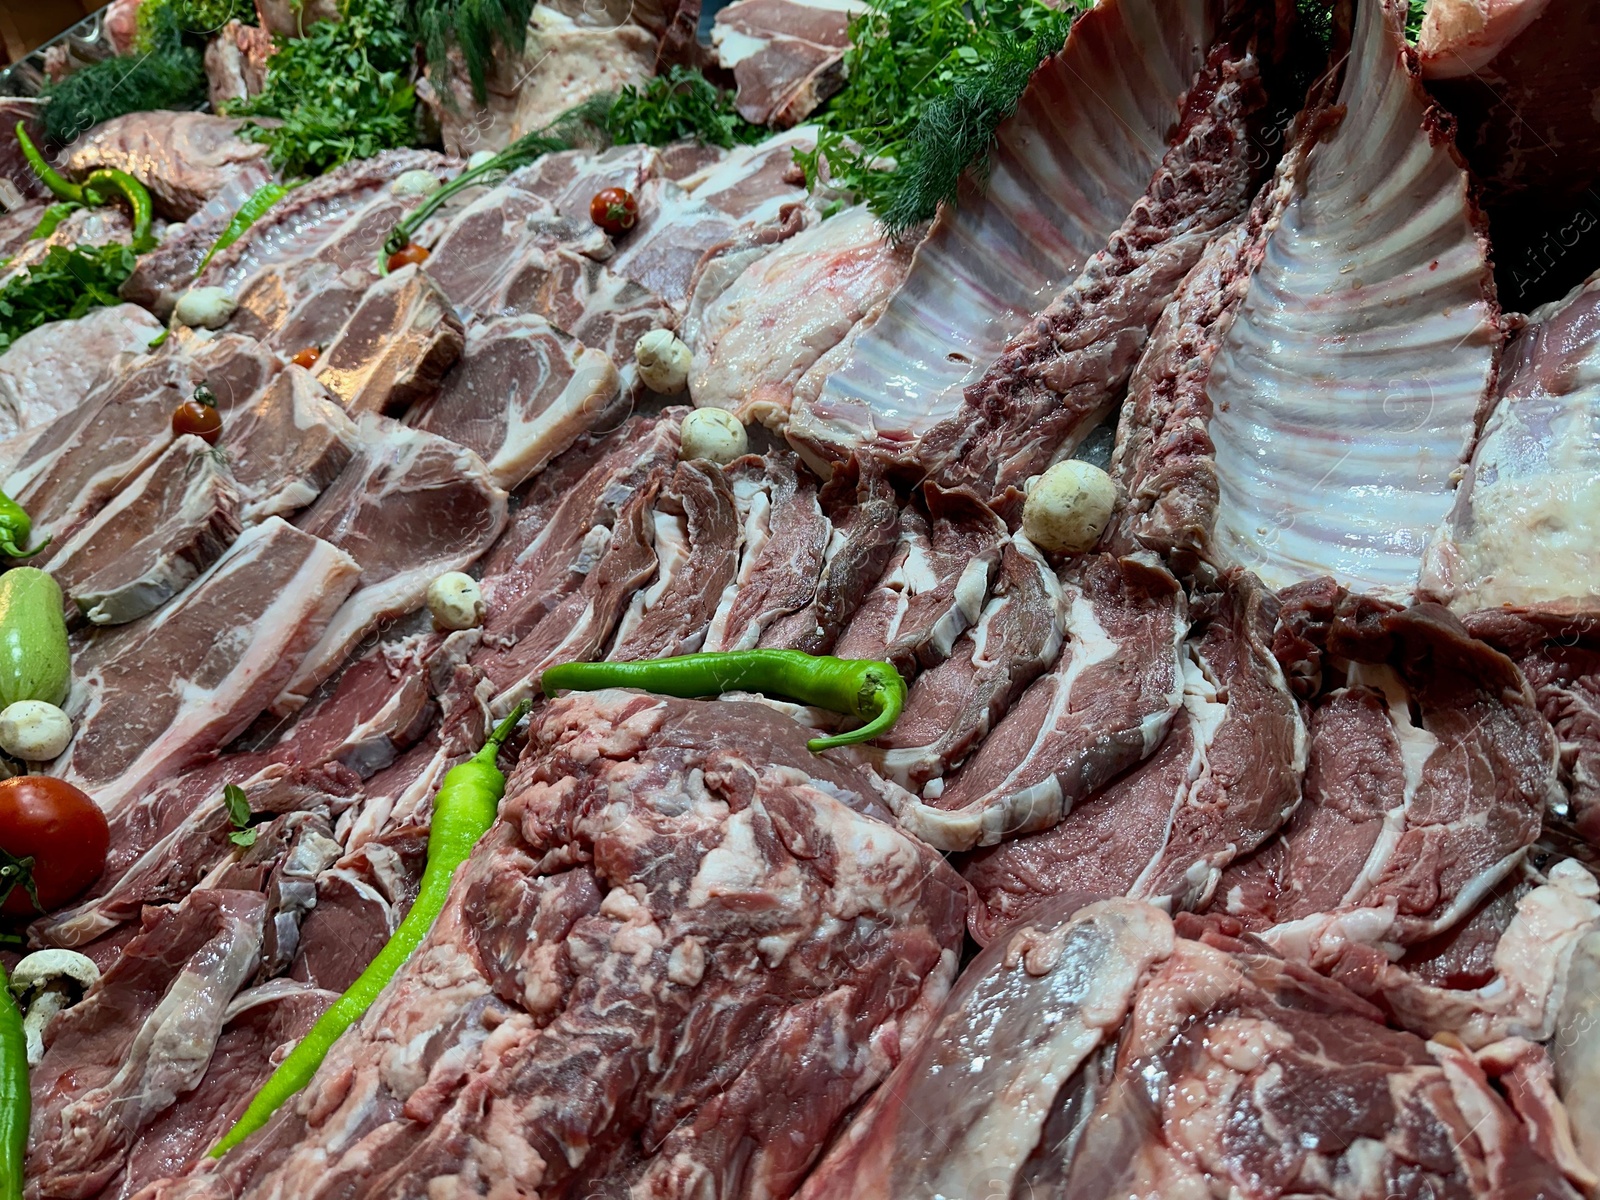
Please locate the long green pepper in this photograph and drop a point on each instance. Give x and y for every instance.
(251, 211)
(16, 529)
(110, 181)
(60, 188)
(16, 1101)
(857, 687)
(467, 804)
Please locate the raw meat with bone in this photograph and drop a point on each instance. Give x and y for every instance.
(287, 446)
(786, 56)
(396, 346)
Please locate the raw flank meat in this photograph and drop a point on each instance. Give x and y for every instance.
(1525, 531)
(78, 464)
(408, 507)
(970, 1107)
(1429, 771)
(1302, 411)
(783, 546)
(680, 904)
(1104, 706)
(148, 544)
(395, 348)
(163, 693)
(780, 317)
(1223, 781)
(787, 56)
(184, 158)
(520, 395)
(287, 446)
(1058, 378)
(142, 1039)
(49, 371)
(1066, 170)
(675, 621)
(566, 63)
(952, 707)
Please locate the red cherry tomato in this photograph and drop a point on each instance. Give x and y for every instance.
(614, 209)
(307, 358)
(411, 254)
(61, 829)
(199, 417)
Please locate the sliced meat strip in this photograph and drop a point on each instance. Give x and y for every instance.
(1023, 1022)
(184, 158)
(787, 56)
(877, 620)
(785, 538)
(952, 707)
(145, 1036)
(1523, 531)
(288, 446)
(48, 372)
(1067, 168)
(755, 182)
(521, 394)
(148, 544)
(408, 507)
(946, 592)
(170, 689)
(395, 348)
(676, 623)
(582, 938)
(283, 863)
(1224, 780)
(1104, 706)
(1059, 377)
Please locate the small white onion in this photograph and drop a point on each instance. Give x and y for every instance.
(414, 183)
(205, 307)
(479, 157)
(34, 731)
(663, 361)
(1068, 507)
(455, 601)
(713, 434)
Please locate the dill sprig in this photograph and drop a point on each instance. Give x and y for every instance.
(474, 26)
(165, 72)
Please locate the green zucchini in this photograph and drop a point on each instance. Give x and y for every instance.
(34, 660)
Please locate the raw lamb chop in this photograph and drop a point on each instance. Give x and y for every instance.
(395, 348)
(786, 55)
(287, 446)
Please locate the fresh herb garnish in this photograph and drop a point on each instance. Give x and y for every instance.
(341, 91)
(1415, 11)
(238, 806)
(66, 283)
(208, 16)
(681, 104)
(472, 25)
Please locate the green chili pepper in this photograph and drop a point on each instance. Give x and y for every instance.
(53, 216)
(60, 188)
(120, 183)
(16, 1102)
(467, 803)
(15, 529)
(857, 687)
(263, 198)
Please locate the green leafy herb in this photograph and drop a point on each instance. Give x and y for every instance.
(927, 83)
(66, 283)
(53, 216)
(341, 91)
(1316, 19)
(238, 806)
(208, 16)
(472, 25)
(680, 104)
(1415, 11)
(166, 72)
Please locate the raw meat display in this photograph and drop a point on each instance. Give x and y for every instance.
(1122, 405)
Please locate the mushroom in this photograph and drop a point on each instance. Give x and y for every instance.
(455, 601)
(713, 434)
(1068, 507)
(34, 731)
(663, 361)
(47, 982)
(205, 307)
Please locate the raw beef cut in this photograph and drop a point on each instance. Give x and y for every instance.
(1104, 706)
(395, 348)
(602, 309)
(1366, 369)
(287, 446)
(148, 544)
(164, 692)
(1525, 530)
(491, 236)
(680, 904)
(408, 507)
(184, 158)
(49, 371)
(787, 56)
(236, 62)
(1060, 375)
(1065, 171)
(674, 234)
(1224, 780)
(520, 395)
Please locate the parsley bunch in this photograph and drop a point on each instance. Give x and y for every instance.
(681, 104)
(342, 91)
(66, 283)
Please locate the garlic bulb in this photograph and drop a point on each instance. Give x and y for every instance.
(1068, 507)
(205, 307)
(34, 731)
(713, 434)
(414, 183)
(455, 601)
(663, 361)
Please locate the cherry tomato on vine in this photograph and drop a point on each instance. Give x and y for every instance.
(409, 254)
(614, 209)
(199, 416)
(307, 358)
(53, 837)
